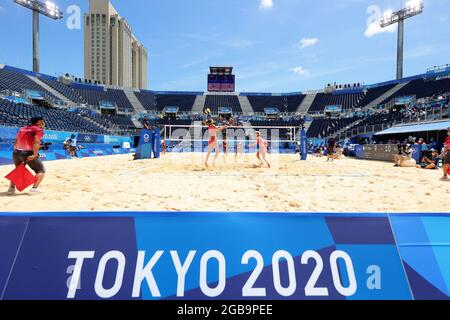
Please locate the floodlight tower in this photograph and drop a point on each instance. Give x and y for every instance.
(47, 9)
(413, 8)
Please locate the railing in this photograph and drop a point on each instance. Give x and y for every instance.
(430, 115)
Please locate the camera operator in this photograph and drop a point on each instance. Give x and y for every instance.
(403, 158)
(26, 148)
(430, 160)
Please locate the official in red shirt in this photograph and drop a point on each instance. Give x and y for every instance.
(26, 148)
(446, 160)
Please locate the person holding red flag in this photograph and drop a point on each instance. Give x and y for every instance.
(446, 158)
(26, 148)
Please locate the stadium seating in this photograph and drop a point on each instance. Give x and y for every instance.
(147, 100)
(18, 82)
(12, 114)
(65, 90)
(95, 97)
(184, 102)
(347, 101)
(108, 121)
(322, 127)
(85, 120)
(373, 94)
(422, 88)
(289, 103)
(214, 102)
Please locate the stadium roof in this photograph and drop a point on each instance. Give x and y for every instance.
(435, 126)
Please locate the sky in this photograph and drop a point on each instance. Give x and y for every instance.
(274, 45)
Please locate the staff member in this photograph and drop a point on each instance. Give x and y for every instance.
(446, 159)
(26, 148)
(331, 149)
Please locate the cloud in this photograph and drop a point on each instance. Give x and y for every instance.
(266, 4)
(300, 71)
(373, 22)
(305, 42)
(374, 28)
(2, 9)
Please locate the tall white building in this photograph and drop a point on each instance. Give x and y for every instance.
(112, 54)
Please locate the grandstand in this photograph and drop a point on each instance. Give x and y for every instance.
(347, 101)
(184, 102)
(288, 103)
(12, 114)
(98, 109)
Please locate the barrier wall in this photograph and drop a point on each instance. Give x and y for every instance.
(94, 145)
(223, 256)
(383, 152)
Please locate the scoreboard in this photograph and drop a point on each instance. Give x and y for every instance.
(221, 79)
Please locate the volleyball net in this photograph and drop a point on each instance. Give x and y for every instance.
(194, 138)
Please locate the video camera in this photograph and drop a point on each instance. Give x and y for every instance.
(45, 146)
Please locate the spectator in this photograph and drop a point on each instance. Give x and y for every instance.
(446, 154)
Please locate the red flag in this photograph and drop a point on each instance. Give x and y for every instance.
(21, 177)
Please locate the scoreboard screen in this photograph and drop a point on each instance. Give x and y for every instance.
(221, 79)
(221, 83)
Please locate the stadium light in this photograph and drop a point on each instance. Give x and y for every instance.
(412, 8)
(47, 9)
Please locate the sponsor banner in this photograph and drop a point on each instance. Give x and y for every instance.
(218, 256)
(303, 145)
(8, 134)
(56, 136)
(149, 144)
(51, 155)
(116, 140)
(89, 138)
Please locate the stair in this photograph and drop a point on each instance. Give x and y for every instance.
(52, 91)
(385, 96)
(199, 104)
(245, 105)
(357, 122)
(306, 104)
(97, 124)
(137, 105)
(307, 125)
(137, 123)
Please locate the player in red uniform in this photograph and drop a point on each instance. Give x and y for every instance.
(262, 149)
(164, 147)
(26, 148)
(213, 141)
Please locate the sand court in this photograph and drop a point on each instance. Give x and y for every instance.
(179, 182)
